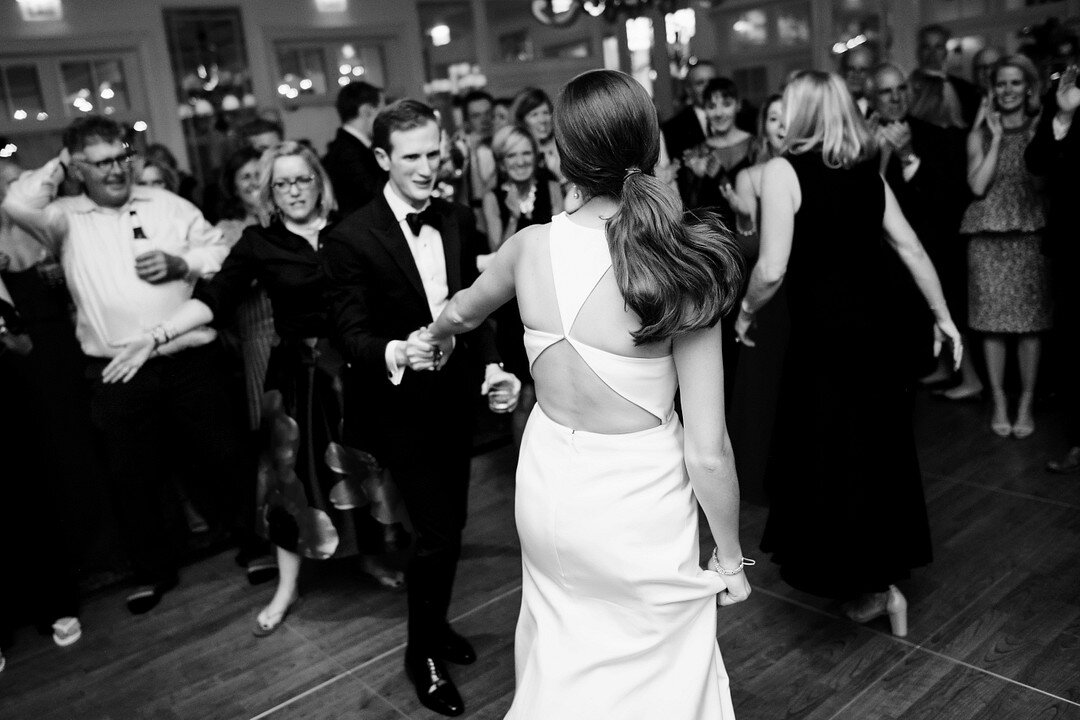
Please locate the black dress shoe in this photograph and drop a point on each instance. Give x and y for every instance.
(453, 648)
(434, 688)
(145, 598)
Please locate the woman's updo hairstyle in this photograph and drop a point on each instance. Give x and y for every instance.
(678, 276)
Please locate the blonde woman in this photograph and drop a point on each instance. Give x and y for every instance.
(314, 487)
(1008, 275)
(847, 517)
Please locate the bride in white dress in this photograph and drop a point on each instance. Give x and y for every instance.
(620, 303)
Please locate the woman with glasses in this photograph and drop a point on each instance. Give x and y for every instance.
(318, 497)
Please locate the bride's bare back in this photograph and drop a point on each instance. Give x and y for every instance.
(568, 390)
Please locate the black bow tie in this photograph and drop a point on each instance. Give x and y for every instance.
(427, 217)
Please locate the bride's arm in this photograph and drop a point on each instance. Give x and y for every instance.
(469, 307)
(709, 459)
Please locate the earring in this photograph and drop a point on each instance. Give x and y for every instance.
(576, 195)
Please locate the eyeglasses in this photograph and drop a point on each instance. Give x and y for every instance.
(303, 182)
(121, 161)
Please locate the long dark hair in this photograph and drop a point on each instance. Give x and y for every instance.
(678, 276)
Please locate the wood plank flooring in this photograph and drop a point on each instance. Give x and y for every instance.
(995, 621)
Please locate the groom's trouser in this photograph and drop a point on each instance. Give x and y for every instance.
(429, 462)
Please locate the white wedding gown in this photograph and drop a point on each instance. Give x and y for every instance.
(618, 620)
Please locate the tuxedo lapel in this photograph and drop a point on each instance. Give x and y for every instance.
(451, 241)
(388, 232)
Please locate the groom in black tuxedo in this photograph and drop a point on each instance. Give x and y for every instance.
(394, 264)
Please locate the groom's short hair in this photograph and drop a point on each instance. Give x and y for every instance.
(402, 115)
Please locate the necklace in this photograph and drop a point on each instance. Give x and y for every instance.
(527, 203)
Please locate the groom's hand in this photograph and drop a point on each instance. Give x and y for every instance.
(502, 388)
(443, 348)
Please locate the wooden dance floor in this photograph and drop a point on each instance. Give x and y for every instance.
(995, 621)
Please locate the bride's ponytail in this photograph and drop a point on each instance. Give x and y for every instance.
(676, 275)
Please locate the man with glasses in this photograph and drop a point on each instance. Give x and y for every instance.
(855, 67)
(925, 166)
(131, 256)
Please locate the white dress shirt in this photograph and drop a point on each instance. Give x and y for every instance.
(703, 120)
(97, 248)
(430, 259)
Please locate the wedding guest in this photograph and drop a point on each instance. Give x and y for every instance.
(621, 302)
(856, 65)
(532, 108)
(688, 127)
(755, 384)
(843, 473)
(474, 140)
(261, 134)
(960, 96)
(155, 173)
(251, 337)
(981, 66)
(501, 115)
(709, 169)
(519, 201)
(187, 186)
(392, 267)
(924, 166)
(130, 256)
(349, 161)
(1054, 153)
(1009, 276)
(331, 511)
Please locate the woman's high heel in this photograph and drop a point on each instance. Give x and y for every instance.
(896, 606)
(891, 603)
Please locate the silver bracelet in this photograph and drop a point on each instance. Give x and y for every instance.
(743, 562)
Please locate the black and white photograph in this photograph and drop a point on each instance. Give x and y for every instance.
(539, 359)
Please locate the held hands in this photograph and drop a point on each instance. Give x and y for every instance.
(946, 330)
(423, 352)
(158, 266)
(502, 389)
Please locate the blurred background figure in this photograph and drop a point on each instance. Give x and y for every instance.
(349, 160)
(856, 65)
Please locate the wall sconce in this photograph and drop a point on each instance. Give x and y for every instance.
(40, 10)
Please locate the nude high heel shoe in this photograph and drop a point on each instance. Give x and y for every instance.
(896, 607)
(891, 603)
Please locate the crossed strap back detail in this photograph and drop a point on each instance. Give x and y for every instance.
(580, 259)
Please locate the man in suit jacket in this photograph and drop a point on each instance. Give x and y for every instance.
(350, 162)
(687, 127)
(1054, 153)
(925, 167)
(394, 265)
(933, 52)
(856, 66)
